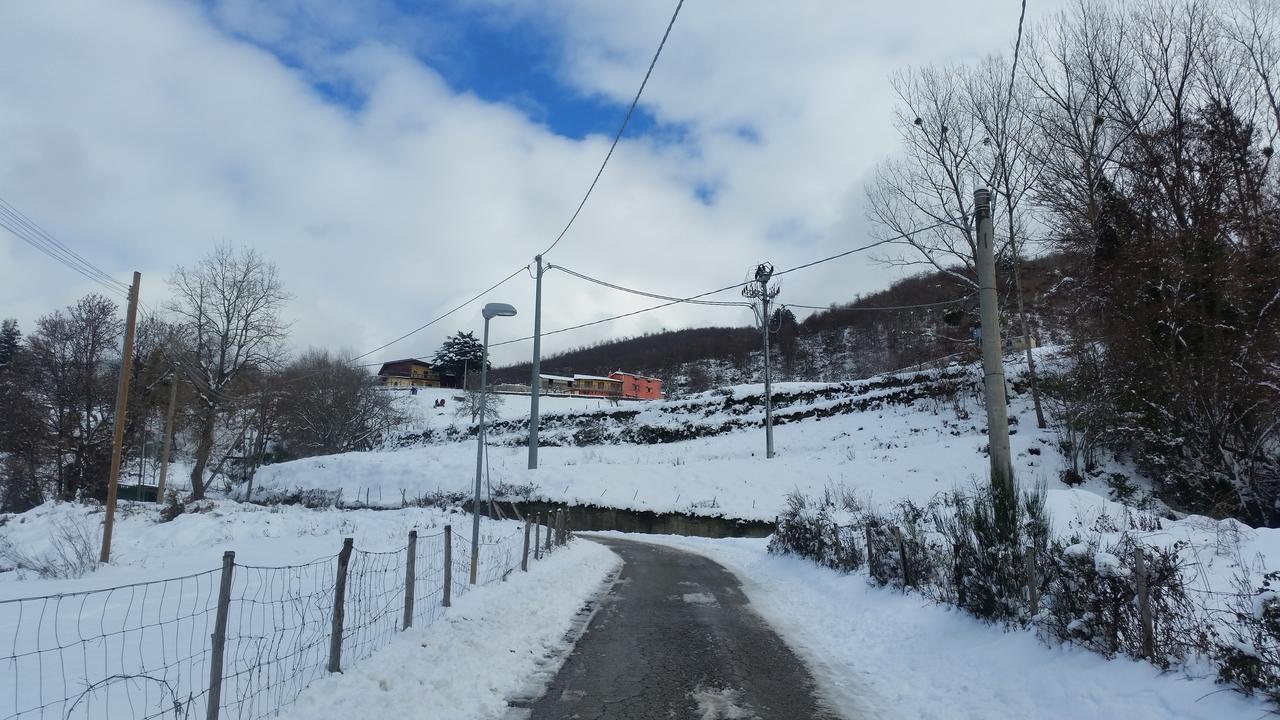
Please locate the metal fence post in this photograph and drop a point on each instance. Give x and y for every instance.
(448, 565)
(410, 568)
(339, 606)
(1144, 604)
(537, 537)
(219, 637)
(524, 557)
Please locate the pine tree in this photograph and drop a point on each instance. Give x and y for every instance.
(10, 340)
(460, 350)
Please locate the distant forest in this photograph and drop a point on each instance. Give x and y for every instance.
(847, 340)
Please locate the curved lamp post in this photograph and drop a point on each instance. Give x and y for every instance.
(491, 310)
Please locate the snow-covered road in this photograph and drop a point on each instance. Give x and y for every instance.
(676, 638)
(876, 652)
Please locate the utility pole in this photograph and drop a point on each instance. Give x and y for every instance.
(762, 291)
(490, 311)
(168, 438)
(535, 385)
(992, 360)
(122, 405)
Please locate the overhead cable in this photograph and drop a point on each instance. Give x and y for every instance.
(618, 136)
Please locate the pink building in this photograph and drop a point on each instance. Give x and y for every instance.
(638, 386)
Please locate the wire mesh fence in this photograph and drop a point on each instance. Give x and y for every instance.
(153, 650)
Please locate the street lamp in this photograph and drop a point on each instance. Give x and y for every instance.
(491, 310)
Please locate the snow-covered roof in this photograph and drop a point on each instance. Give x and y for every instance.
(555, 377)
(639, 377)
(594, 377)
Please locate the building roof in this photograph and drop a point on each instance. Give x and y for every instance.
(412, 361)
(565, 378)
(595, 377)
(641, 377)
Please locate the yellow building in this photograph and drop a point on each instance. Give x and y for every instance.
(409, 373)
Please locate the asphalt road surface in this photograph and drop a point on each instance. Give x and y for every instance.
(675, 638)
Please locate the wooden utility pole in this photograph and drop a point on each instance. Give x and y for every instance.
(168, 438)
(122, 405)
(992, 358)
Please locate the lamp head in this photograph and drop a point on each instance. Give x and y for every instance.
(493, 310)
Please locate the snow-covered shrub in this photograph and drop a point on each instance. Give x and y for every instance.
(809, 528)
(1090, 593)
(173, 506)
(73, 550)
(987, 537)
(1247, 650)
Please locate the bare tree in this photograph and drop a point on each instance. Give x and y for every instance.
(470, 406)
(327, 405)
(228, 306)
(930, 185)
(73, 353)
(1082, 67)
(1252, 27)
(999, 101)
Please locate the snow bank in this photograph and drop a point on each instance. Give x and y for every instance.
(497, 642)
(880, 654)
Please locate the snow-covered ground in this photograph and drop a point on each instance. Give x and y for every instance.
(882, 655)
(131, 639)
(890, 451)
(498, 642)
(422, 413)
(145, 549)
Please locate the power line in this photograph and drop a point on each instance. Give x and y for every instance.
(1017, 48)
(617, 137)
(438, 318)
(25, 229)
(677, 301)
(861, 248)
(881, 307)
(655, 296)
(594, 322)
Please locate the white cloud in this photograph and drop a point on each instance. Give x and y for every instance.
(142, 132)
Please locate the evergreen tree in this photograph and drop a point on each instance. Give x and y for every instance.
(10, 341)
(460, 350)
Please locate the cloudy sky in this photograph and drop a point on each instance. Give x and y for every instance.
(394, 157)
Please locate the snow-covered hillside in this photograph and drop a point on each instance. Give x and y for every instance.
(906, 435)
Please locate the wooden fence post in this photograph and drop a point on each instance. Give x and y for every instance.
(1033, 583)
(448, 565)
(537, 537)
(550, 522)
(219, 637)
(410, 568)
(902, 552)
(1144, 604)
(560, 526)
(339, 607)
(524, 556)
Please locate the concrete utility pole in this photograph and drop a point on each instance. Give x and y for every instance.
(490, 311)
(122, 405)
(992, 356)
(535, 385)
(762, 291)
(168, 439)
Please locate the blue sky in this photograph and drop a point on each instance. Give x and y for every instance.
(501, 57)
(395, 158)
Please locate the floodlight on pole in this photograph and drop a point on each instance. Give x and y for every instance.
(490, 311)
